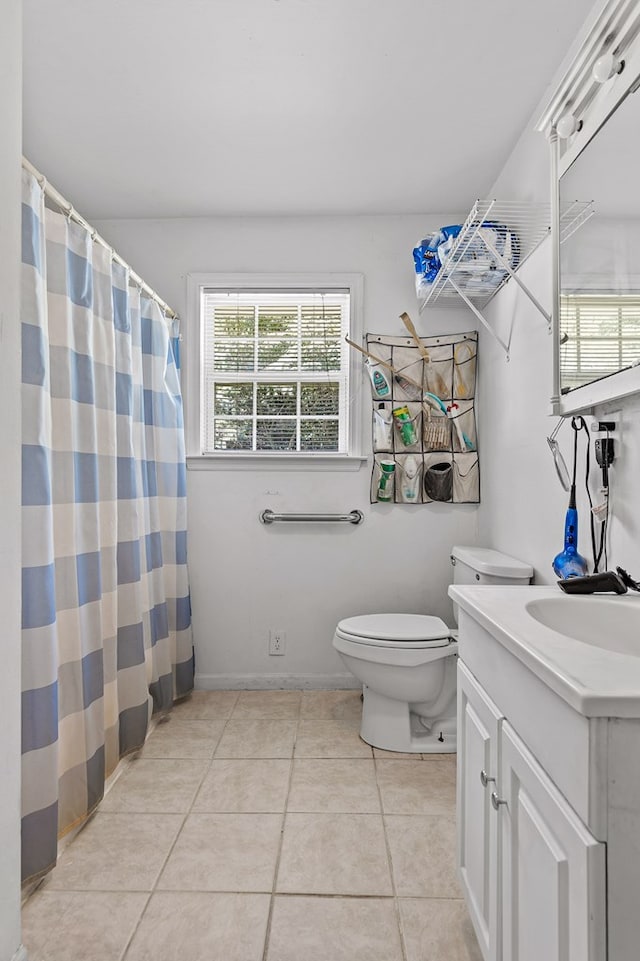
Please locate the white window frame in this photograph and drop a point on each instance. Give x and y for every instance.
(191, 373)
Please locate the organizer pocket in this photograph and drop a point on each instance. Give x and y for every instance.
(464, 370)
(436, 431)
(438, 371)
(407, 420)
(382, 427)
(383, 479)
(463, 426)
(466, 478)
(409, 479)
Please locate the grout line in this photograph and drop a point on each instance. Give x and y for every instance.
(396, 905)
(175, 840)
(267, 934)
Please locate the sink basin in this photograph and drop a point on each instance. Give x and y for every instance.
(610, 623)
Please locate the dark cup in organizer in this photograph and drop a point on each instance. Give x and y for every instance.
(438, 481)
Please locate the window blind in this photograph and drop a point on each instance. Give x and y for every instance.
(274, 370)
(600, 333)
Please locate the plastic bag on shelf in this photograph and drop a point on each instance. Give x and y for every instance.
(429, 255)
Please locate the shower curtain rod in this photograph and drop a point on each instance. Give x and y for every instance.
(71, 212)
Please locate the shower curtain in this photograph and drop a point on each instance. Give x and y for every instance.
(106, 613)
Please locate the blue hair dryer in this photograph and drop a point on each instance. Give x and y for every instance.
(569, 563)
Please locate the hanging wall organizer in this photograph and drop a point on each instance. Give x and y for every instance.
(495, 240)
(425, 443)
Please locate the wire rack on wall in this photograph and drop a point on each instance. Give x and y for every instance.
(496, 239)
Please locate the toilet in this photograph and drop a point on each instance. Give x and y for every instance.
(407, 662)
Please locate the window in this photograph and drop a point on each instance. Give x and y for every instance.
(274, 373)
(601, 335)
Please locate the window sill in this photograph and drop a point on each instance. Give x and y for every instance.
(276, 462)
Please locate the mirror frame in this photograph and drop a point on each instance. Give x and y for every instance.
(615, 27)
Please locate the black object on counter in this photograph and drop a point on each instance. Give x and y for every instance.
(607, 582)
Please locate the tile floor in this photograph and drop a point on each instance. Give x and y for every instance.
(257, 826)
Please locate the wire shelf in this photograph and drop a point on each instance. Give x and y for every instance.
(496, 239)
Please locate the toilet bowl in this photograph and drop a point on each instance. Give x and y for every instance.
(407, 663)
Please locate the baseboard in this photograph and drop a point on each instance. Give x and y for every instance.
(276, 682)
(21, 954)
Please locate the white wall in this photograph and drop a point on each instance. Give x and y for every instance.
(10, 122)
(245, 577)
(523, 504)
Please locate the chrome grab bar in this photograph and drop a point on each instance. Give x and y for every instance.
(353, 517)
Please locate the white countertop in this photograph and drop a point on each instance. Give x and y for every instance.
(595, 682)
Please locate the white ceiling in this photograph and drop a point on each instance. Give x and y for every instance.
(170, 108)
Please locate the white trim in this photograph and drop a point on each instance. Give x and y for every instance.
(615, 26)
(21, 954)
(276, 682)
(276, 462)
(574, 87)
(584, 399)
(192, 340)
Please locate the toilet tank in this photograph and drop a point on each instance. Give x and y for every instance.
(481, 565)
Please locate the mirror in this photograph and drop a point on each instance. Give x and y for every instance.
(600, 261)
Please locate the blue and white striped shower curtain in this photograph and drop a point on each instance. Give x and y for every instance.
(106, 612)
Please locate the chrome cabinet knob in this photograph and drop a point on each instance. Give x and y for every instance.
(496, 801)
(484, 778)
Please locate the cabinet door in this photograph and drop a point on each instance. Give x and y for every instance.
(478, 723)
(553, 869)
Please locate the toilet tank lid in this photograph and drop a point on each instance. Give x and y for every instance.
(395, 627)
(487, 561)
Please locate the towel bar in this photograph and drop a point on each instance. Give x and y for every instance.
(267, 516)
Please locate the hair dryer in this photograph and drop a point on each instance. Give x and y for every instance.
(569, 563)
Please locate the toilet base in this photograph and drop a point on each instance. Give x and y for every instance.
(391, 725)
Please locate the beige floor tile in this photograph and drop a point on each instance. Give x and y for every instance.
(202, 927)
(68, 926)
(416, 787)
(347, 786)
(334, 929)
(423, 856)
(330, 739)
(257, 739)
(117, 852)
(155, 786)
(206, 706)
(332, 705)
(244, 786)
(176, 738)
(334, 854)
(270, 705)
(224, 852)
(438, 931)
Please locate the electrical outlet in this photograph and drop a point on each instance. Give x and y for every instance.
(277, 642)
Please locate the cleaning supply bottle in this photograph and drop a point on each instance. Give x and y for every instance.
(382, 428)
(380, 383)
(386, 480)
(405, 425)
(410, 486)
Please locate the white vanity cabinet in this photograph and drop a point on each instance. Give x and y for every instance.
(532, 873)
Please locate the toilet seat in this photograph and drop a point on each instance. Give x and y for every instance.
(397, 631)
